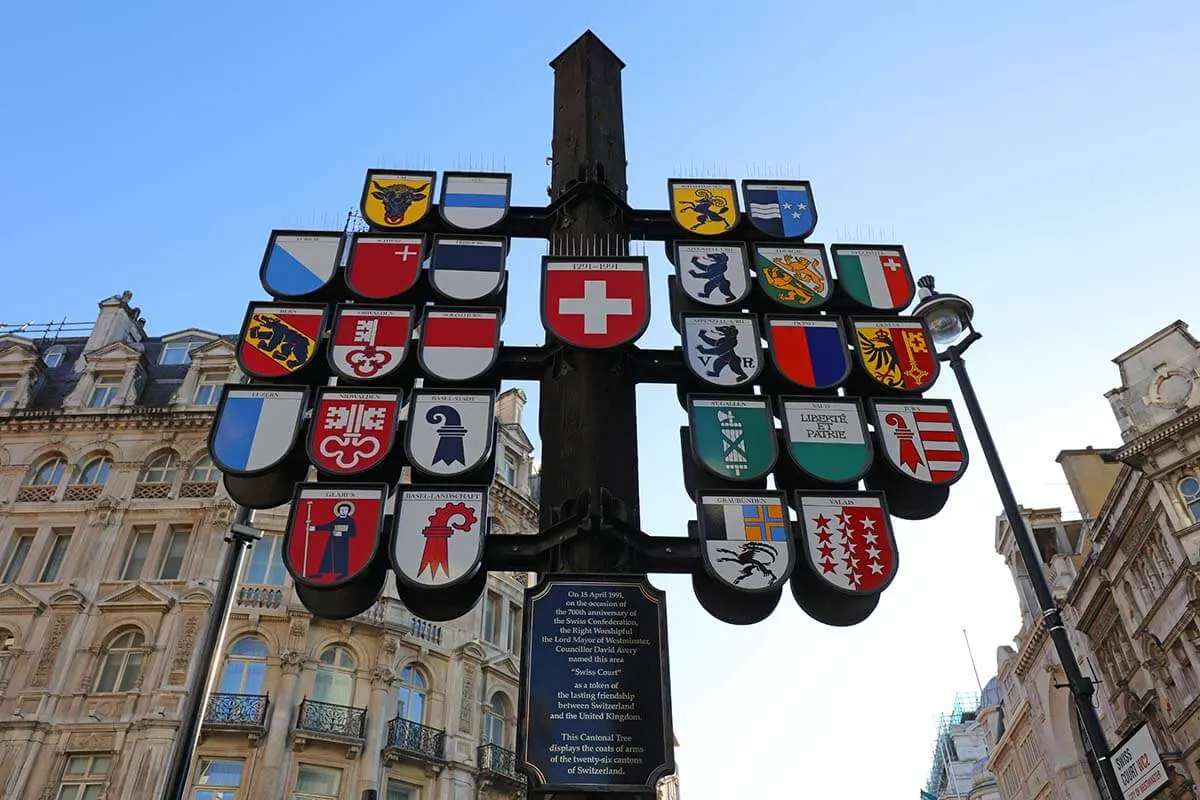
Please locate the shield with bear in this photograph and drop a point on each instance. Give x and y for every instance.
(722, 350)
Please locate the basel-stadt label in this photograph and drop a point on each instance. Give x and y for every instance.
(712, 273)
(333, 532)
(796, 276)
(722, 350)
(396, 199)
(298, 263)
(438, 538)
(809, 351)
(898, 354)
(706, 207)
(369, 342)
(595, 302)
(474, 201)
(278, 340)
(256, 427)
(921, 439)
(827, 439)
(848, 540)
(450, 433)
(746, 539)
(352, 430)
(382, 267)
(782, 209)
(733, 437)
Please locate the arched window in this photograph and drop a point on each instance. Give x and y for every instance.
(122, 665)
(54, 356)
(334, 682)
(49, 472)
(495, 720)
(1189, 491)
(245, 667)
(411, 704)
(203, 470)
(95, 471)
(7, 643)
(160, 469)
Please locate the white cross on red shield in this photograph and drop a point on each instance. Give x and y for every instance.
(352, 430)
(595, 302)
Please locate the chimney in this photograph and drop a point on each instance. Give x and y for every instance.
(117, 322)
(510, 406)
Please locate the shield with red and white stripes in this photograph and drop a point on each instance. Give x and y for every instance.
(922, 439)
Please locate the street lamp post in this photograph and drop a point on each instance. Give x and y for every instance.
(949, 318)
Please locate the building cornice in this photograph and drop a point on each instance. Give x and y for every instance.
(36, 421)
(1159, 435)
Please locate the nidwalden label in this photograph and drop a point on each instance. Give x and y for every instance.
(595, 693)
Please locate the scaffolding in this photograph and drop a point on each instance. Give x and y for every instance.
(966, 705)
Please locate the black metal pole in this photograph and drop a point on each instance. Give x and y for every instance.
(1080, 685)
(239, 538)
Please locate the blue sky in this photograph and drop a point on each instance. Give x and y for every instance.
(1038, 157)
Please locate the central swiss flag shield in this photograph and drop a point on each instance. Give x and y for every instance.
(595, 302)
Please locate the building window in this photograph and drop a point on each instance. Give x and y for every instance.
(495, 719)
(245, 667)
(266, 561)
(400, 791)
(208, 390)
(55, 557)
(95, 471)
(508, 469)
(413, 687)
(160, 469)
(104, 391)
(334, 683)
(514, 628)
(1189, 491)
(84, 778)
(49, 473)
(172, 561)
(174, 353)
(17, 553)
(122, 666)
(317, 783)
(491, 619)
(7, 643)
(8, 391)
(135, 556)
(54, 356)
(218, 778)
(204, 471)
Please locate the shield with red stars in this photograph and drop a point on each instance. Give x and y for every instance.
(847, 540)
(438, 538)
(381, 267)
(921, 439)
(369, 342)
(278, 340)
(352, 430)
(746, 539)
(333, 532)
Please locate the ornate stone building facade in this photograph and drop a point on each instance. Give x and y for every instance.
(1128, 579)
(112, 520)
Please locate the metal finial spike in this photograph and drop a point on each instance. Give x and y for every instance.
(925, 282)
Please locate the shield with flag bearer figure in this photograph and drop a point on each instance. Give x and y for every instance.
(352, 430)
(256, 428)
(458, 344)
(474, 201)
(746, 539)
(333, 532)
(732, 437)
(467, 269)
(382, 267)
(278, 340)
(438, 536)
(781, 209)
(367, 343)
(827, 437)
(300, 263)
(848, 542)
(921, 439)
(875, 276)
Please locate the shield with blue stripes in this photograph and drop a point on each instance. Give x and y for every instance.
(300, 263)
(473, 201)
(256, 429)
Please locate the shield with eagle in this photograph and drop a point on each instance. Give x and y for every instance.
(897, 353)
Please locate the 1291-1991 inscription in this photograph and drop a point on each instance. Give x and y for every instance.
(594, 686)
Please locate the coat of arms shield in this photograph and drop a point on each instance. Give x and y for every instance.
(438, 537)
(712, 273)
(278, 340)
(921, 439)
(333, 532)
(450, 433)
(722, 350)
(732, 437)
(395, 199)
(352, 430)
(369, 342)
(746, 539)
(848, 541)
(704, 207)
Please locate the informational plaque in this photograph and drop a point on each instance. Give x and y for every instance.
(595, 693)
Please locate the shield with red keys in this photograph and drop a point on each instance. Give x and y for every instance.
(848, 541)
(921, 439)
(333, 532)
(369, 342)
(381, 267)
(352, 430)
(595, 302)
(458, 344)
(278, 340)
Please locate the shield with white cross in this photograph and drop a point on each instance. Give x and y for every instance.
(595, 303)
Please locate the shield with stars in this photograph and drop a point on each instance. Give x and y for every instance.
(847, 540)
(781, 209)
(746, 539)
(732, 437)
